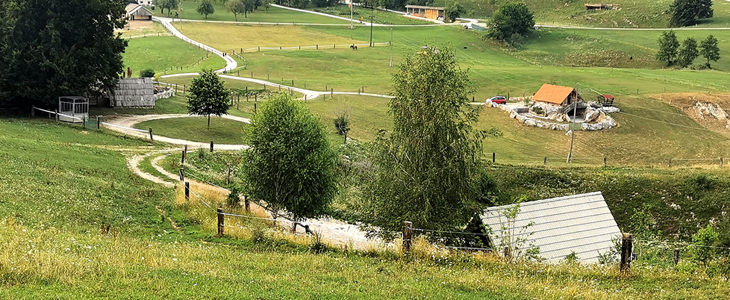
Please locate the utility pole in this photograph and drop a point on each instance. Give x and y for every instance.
(391, 47)
(351, 27)
(371, 29)
(572, 131)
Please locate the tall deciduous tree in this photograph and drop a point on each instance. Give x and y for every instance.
(167, 4)
(687, 12)
(710, 50)
(668, 47)
(427, 169)
(511, 21)
(50, 48)
(687, 52)
(207, 96)
(206, 8)
(290, 164)
(235, 7)
(454, 11)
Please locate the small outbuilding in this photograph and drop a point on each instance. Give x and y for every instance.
(557, 95)
(580, 224)
(73, 109)
(428, 12)
(136, 12)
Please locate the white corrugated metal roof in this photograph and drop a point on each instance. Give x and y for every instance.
(580, 223)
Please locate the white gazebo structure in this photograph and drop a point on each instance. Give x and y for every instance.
(73, 108)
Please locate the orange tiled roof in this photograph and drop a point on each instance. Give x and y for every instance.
(552, 93)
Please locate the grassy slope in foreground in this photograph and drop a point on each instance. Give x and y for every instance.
(188, 10)
(64, 255)
(165, 52)
(222, 131)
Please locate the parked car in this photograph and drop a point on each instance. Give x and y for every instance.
(498, 99)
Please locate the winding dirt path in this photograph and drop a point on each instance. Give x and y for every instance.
(125, 124)
(334, 232)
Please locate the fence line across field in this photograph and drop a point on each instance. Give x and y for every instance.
(318, 46)
(57, 113)
(444, 231)
(683, 245)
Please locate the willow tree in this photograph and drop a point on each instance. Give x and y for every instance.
(426, 170)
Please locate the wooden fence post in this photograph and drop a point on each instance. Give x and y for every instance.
(221, 221)
(332, 92)
(670, 162)
(184, 153)
(245, 202)
(544, 161)
(182, 174)
(211, 146)
(407, 236)
(254, 108)
(83, 122)
(32, 111)
(187, 190)
(494, 157)
(98, 123)
(721, 162)
(228, 175)
(604, 161)
(676, 256)
(56, 112)
(151, 139)
(507, 253)
(627, 245)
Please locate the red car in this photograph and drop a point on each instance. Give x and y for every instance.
(498, 99)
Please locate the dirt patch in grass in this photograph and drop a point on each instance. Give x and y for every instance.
(688, 103)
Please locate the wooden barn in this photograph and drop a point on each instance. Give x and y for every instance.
(428, 12)
(136, 12)
(557, 95)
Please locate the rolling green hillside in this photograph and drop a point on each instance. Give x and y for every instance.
(625, 13)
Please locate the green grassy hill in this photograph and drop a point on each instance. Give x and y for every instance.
(61, 183)
(625, 13)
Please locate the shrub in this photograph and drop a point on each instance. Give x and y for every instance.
(703, 243)
(538, 110)
(147, 73)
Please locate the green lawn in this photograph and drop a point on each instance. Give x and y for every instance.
(381, 17)
(168, 55)
(188, 10)
(222, 131)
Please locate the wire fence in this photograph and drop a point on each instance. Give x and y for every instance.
(315, 47)
(606, 161)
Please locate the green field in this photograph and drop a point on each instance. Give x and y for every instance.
(188, 10)
(167, 55)
(626, 13)
(222, 131)
(494, 69)
(381, 17)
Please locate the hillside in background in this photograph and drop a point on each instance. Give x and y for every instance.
(625, 13)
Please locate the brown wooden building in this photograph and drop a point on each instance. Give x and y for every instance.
(428, 12)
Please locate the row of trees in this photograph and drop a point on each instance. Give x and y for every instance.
(50, 48)
(672, 53)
